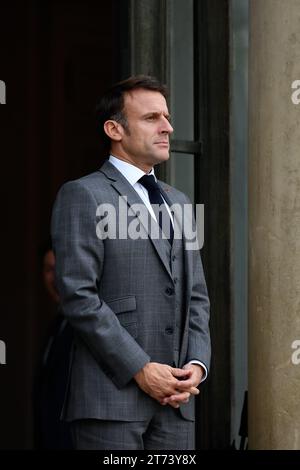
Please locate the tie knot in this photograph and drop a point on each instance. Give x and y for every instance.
(148, 181)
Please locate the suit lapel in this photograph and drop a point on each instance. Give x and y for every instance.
(120, 184)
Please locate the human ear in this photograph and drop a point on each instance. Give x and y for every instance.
(113, 130)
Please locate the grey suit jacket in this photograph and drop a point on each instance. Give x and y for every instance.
(116, 295)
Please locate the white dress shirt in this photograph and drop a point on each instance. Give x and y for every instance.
(132, 173)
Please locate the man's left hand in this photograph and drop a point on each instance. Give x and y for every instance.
(196, 377)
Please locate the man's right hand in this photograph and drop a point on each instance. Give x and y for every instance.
(161, 381)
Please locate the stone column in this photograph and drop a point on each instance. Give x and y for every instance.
(148, 32)
(149, 44)
(274, 225)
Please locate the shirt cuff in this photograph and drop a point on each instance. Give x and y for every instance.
(194, 361)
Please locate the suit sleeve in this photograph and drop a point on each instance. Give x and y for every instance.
(199, 337)
(199, 345)
(79, 263)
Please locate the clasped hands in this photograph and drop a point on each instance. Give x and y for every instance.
(169, 385)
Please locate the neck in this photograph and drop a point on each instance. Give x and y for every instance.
(141, 165)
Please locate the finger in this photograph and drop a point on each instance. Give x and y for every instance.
(179, 397)
(184, 401)
(191, 391)
(185, 385)
(162, 402)
(181, 372)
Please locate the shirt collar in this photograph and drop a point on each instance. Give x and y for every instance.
(131, 172)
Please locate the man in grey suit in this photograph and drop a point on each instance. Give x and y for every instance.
(137, 300)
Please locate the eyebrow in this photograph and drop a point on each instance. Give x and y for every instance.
(156, 114)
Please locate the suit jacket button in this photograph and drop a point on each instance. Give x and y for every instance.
(169, 331)
(169, 291)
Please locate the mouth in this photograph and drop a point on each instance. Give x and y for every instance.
(162, 143)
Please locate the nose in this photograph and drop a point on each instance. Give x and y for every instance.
(166, 127)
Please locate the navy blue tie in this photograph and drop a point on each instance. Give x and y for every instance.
(161, 213)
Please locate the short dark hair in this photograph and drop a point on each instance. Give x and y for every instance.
(111, 104)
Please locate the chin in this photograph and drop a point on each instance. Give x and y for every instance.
(162, 157)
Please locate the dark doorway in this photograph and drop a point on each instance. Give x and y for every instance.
(57, 57)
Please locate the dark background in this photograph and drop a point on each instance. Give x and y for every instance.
(57, 58)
